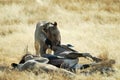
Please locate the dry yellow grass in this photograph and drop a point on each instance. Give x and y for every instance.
(90, 25)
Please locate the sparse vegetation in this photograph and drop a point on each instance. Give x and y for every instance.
(90, 25)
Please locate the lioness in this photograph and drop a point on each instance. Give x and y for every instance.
(46, 35)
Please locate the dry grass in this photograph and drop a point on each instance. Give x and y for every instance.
(90, 25)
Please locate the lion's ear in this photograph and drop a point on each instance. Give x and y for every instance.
(55, 23)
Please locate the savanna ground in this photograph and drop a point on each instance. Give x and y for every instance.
(90, 25)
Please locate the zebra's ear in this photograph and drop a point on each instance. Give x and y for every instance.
(55, 24)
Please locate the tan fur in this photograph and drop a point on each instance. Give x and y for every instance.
(46, 30)
(37, 47)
